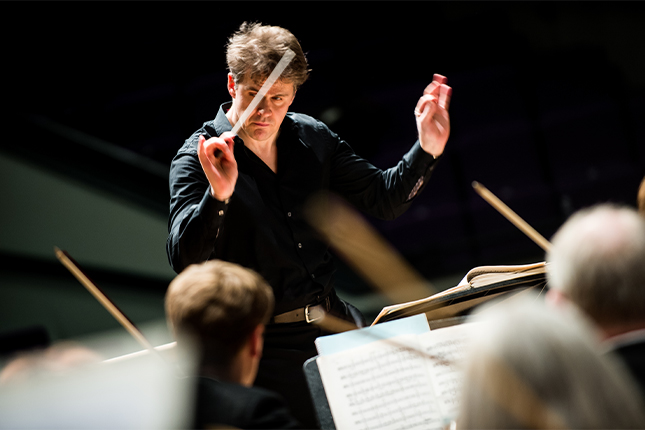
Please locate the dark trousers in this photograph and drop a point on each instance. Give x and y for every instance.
(286, 348)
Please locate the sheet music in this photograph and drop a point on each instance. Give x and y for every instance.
(380, 386)
(446, 347)
(333, 343)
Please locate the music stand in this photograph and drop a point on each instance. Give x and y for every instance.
(318, 395)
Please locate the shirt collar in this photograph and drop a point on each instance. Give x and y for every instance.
(221, 124)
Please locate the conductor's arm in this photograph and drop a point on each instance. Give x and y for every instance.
(199, 188)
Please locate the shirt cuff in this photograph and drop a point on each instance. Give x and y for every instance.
(420, 161)
(211, 209)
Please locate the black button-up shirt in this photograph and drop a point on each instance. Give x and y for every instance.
(263, 226)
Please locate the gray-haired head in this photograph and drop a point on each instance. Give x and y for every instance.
(597, 261)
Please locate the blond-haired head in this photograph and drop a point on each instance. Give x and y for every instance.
(218, 304)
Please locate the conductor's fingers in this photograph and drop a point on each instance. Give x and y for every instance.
(431, 89)
(229, 138)
(219, 150)
(423, 100)
(441, 118)
(427, 106)
(201, 153)
(445, 94)
(439, 78)
(215, 149)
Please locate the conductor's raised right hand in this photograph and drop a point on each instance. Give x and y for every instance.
(217, 160)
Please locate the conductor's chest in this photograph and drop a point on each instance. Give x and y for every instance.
(301, 173)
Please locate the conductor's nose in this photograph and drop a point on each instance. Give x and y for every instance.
(262, 107)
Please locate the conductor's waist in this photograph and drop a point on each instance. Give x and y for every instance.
(309, 313)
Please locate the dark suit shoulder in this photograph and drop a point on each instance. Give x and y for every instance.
(633, 355)
(221, 403)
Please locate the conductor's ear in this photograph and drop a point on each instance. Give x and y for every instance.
(230, 84)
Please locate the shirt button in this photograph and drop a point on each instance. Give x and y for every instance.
(300, 245)
(221, 212)
(314, 277)
(289, 214)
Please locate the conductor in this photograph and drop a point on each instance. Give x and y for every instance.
(240, 197)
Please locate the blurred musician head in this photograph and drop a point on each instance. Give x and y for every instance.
(60, 357)
(221, 308)
(597, 262)
(531, 366)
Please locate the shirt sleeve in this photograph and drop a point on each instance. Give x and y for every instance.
(385, 194)
(195, 215)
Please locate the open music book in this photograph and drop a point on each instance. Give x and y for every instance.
(479, 285)
(408, 381)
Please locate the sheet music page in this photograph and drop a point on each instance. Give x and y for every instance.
(383, 385)
(333, 343)
(446, 350)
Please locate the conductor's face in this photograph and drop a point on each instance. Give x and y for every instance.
(265, 120)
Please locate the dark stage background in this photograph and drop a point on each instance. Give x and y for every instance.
(547, 108)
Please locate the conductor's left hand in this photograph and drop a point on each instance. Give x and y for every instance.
(433, 121)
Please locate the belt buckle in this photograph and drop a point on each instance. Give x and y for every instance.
(310, 320)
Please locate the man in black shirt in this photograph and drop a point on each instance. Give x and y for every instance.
(241, 198)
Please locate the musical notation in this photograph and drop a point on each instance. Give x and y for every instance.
(382, 386)
(449, 345)
(407, 382)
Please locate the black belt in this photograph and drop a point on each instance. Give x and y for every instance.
(309, 313)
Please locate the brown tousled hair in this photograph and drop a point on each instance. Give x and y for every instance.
(256, 49)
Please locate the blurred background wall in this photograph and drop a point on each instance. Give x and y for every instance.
(547, 112)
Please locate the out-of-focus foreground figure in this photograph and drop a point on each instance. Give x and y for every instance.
(536, 367)
(60, 357)
(69, 386)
